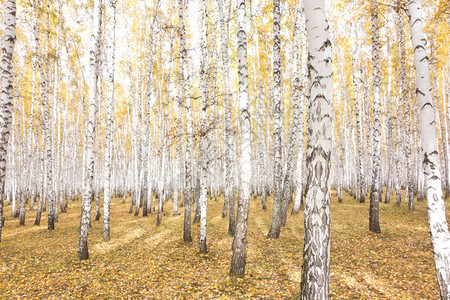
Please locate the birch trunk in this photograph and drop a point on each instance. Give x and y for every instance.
(111, 11)
(360, 194)
(187, 237)
(375, 193)
(440, 236)
(238, 259)
(399, 126)
(6, 67)
(227, 120)
(298, 199)
(97, 139)
(294, 130)
(404, 131)
(407, 139)
(390, 140)
(83, 252)
(316, 252)
(204, 143)
(31, 133)
(275, 226)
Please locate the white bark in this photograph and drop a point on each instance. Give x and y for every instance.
(6, 68)
(275, 226)
(375, 193)
(204, 136)
(238, 259)
(187, 237)
(296, 108)
(300, 82)
(316, 252)
(90, 133)
(111, 11)
(298, 199)
(440, 236)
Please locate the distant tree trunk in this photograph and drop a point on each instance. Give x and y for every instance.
(404, 130)
(178, 159)
(316, 251)
(399, 126)
(390, 140)
(31, 134)
(187, 237)
(6, 67)
(111, 46)
(375, 193)
(300, 83)
(98, 139)
(360, 190)
(275, 226)
(440, 236)
(238, 258)
(83, 252)
(150, 102)
(407, 138)
(294, 130)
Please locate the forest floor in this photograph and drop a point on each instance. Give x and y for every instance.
(143, 261)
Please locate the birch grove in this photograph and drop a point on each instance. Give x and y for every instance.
(175, 107)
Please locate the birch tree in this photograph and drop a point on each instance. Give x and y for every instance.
(360, 193)
(296, 110)
(83, 252)
(238, 259)
(6, 68)
(275, 226)
(300, 87)
(111, 11)
(440, 236)
(375, 193)
(187, 237)
(316, 250)
(204, 137)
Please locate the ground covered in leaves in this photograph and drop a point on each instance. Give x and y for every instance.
(146, 261)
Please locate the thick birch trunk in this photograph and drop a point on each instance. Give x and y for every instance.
(316, 252)
(440, 236)
(6, 67)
